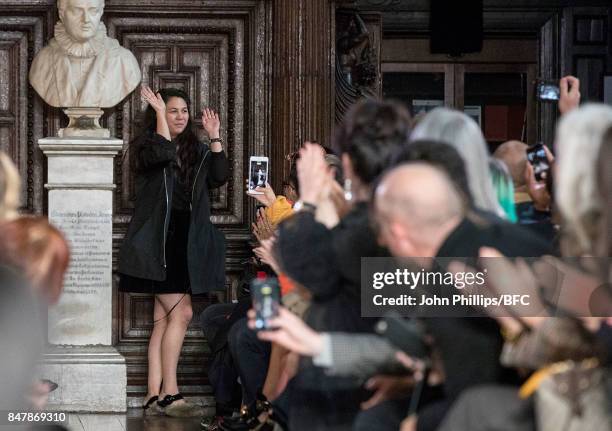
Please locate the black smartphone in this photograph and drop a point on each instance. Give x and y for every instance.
(547, 91)
(265, 294)
(406, 335)
(536, 156)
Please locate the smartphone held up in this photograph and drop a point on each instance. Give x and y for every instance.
(547, 91)
(536, 156)
(265, 294)
(258, 174)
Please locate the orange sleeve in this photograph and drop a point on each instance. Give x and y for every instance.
(279, 210)
(286, 285)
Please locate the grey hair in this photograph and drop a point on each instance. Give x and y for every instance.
(461, 132)
(578, 141)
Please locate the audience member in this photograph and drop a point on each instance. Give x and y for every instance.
(39, 251)
(459, 130)
(534, 214)
(504, 188)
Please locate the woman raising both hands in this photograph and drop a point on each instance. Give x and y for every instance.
(171, 248)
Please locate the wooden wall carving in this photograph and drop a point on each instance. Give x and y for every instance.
(22, 114)
(587, 48)
(219, 57)
(219, 51)
(358, 46)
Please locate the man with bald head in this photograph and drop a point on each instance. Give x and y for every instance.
(514, 155)
(417, 207)
(420, 214)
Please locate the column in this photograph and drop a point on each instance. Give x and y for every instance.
(91, 374)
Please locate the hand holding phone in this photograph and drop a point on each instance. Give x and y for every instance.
(569, 98)
(405, 335)
(547, 91)
(258, 174)
(537, 157)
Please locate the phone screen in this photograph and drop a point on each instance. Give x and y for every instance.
(265, 294)
(548, 92)
(536, 155)
(258, 172)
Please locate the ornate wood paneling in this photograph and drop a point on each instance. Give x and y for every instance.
(358, 53)
(216, 53)
(586, 53)
(22, 119)
(302, 71)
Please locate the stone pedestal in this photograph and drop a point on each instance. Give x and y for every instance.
(91, 374)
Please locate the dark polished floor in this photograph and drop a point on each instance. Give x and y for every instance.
(131, 421)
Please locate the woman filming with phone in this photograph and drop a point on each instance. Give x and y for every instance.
(171, 248)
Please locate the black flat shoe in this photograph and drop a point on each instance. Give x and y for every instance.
(150, 408)
(179, 410)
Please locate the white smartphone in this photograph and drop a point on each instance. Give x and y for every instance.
(258, 173)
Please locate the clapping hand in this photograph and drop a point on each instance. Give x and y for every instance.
(262, 228)
(265, 254)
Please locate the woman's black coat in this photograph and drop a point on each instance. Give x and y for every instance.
(143, 253)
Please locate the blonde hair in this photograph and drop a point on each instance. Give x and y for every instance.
(10, 188)
(578, 141)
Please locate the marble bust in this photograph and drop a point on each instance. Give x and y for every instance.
(81, 66)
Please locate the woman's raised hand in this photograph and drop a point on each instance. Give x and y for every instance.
(312, 170)
(211, 123)
(153, 99)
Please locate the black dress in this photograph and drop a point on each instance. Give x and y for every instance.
(177, 271)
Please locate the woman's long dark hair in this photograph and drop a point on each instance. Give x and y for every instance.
(187, 140)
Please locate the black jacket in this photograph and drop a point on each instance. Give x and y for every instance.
(470, 347)
(142, 253)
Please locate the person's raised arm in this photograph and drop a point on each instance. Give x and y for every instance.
(219, 169)
(158, 104)
(569, 94)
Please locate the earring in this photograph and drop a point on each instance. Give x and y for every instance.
(348, 192)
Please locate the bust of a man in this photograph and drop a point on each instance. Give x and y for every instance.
(81, 66)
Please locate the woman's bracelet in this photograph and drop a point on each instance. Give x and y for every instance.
(213, 140)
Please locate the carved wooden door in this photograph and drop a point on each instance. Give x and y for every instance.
(217, 53)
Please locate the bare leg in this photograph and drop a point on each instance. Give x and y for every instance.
(155, 359)
(277, 354)
(172, 340)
